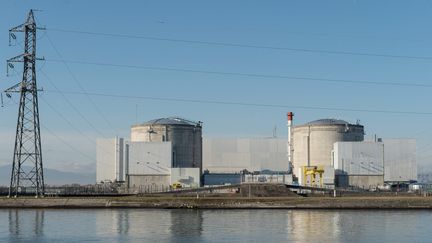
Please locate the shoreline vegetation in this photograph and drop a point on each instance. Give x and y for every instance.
(189, 202)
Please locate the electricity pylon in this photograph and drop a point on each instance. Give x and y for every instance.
(27, 170)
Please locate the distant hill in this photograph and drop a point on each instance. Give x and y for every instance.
(52, 177)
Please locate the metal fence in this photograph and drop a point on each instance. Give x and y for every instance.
(107, 189)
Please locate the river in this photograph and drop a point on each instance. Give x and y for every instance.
(177, 225)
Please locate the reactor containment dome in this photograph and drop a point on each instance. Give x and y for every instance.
(185, 136)
(313, 141)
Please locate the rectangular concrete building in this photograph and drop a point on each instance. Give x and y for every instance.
(359, 164)
(149, 164)
(110, 160)
(232, 155)
(400, 164)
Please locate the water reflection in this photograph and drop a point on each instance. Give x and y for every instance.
(148, 224)
(118, 225)
(122, 218)
(314, 226)
(187, 223)
(26, 224)
(112, 222)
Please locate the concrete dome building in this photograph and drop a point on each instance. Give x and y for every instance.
(185, 136)
(313, 141)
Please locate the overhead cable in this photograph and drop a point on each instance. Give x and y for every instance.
(216, 102)
(321, 51)
(253, 75)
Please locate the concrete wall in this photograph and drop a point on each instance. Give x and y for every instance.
(358, 158)
(394, 159)
(150, 163)
(359, 164)
(221, 179)
(360, 181)
(329, 176)
(109, 160)
(188, 177)
(186, 141)
(314, 143)
(150, 158)
(231, 155)
(400, 164)
(156, 181)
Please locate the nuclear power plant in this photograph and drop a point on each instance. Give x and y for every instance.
(314, 140)
(334, 153)
(185, 137)
(325, 153)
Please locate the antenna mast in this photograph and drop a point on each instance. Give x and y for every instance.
(27, 170)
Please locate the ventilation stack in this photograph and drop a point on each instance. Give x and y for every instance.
(289, 144)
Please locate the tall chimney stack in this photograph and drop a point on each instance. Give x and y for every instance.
(290, 116)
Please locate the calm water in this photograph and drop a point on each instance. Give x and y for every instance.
(144, 225)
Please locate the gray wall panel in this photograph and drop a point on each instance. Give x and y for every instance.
(109, 160)
(230, 155)
(150, 158)
(400, 162)
(359, 158)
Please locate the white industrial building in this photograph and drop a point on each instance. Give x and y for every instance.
(338, 146)
(110, 160)
(141, 164)
(324, 152)
(359, 164)
(371, 164)
(313, 141)
(233, 155)
(400, 163)
(160, 153)
(312, 145)
(151, 163)
(185, 136)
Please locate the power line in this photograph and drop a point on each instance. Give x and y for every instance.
(58, 137)
(70, 104)
(226, 44)
(67, 120)
(254, 75)
(73, 107)
(199, 101)
(68, 144)
(72, 126)
(76, 110)
(325, 35)
(81, 87)
(356, 36)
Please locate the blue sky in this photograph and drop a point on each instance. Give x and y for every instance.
(378, 27)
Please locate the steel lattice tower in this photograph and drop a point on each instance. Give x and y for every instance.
(27, 170)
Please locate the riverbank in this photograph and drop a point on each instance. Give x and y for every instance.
(223, 203)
